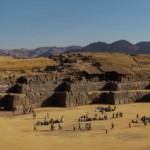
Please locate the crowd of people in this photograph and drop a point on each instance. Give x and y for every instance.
(105, 109)
(85, 121)
(51, 121)
(84, 118)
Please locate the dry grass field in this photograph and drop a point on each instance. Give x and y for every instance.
(4, 58)
(8, 63)
(21, 67)
(16, 131)
(112, 58)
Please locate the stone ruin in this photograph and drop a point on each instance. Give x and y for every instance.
(76, 81)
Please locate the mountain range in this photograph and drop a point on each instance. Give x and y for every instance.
(121, 46)
(38, 52)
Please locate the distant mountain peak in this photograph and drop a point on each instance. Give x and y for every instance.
(120, 46)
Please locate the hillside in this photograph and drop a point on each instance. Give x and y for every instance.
(73, 62)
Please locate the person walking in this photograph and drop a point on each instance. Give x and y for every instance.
(47, 115)
(79, 128)
(129, 125)
(13, 110)
(44, 118)
(115, 108)
(113, 115)
(35, 129)
(106, 130)
(74, 128)
(52, 127)
(112, 125)
(90, 126)
(62, 119)
(144, 122)
(59, 126)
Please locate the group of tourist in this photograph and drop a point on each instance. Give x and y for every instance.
(105, 109)
(104, 116)
(145, 120)
(51, 122)
(117, 115)
(52, 126)
(87, 126)
(85, 118)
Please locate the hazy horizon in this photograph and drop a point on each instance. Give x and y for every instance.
(28, 48)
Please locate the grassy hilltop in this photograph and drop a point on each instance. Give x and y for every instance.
(105, 61)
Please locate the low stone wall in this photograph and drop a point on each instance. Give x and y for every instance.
(137, 77)
(133, 85)
(87, 86)
(125, 97)
(49, 86)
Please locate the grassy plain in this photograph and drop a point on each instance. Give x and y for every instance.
(21, 67)
(16, 131)
(9, 63)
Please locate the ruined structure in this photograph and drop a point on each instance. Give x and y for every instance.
(80, 79)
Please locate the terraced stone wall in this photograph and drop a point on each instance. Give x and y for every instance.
(125, 97)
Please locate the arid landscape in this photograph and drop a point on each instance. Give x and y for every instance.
(73, 85)
(74, 75)
(17, 130)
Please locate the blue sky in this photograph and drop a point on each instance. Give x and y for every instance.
(35, 23)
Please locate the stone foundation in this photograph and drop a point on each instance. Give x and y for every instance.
(133, 85)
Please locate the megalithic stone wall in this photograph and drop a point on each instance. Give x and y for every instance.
(10, 101)
(125, 97)
(133, 85)
(69, 99)
(67, 94)
(39, 95)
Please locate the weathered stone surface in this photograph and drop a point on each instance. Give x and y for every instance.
(133, 85)
(124, 97)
